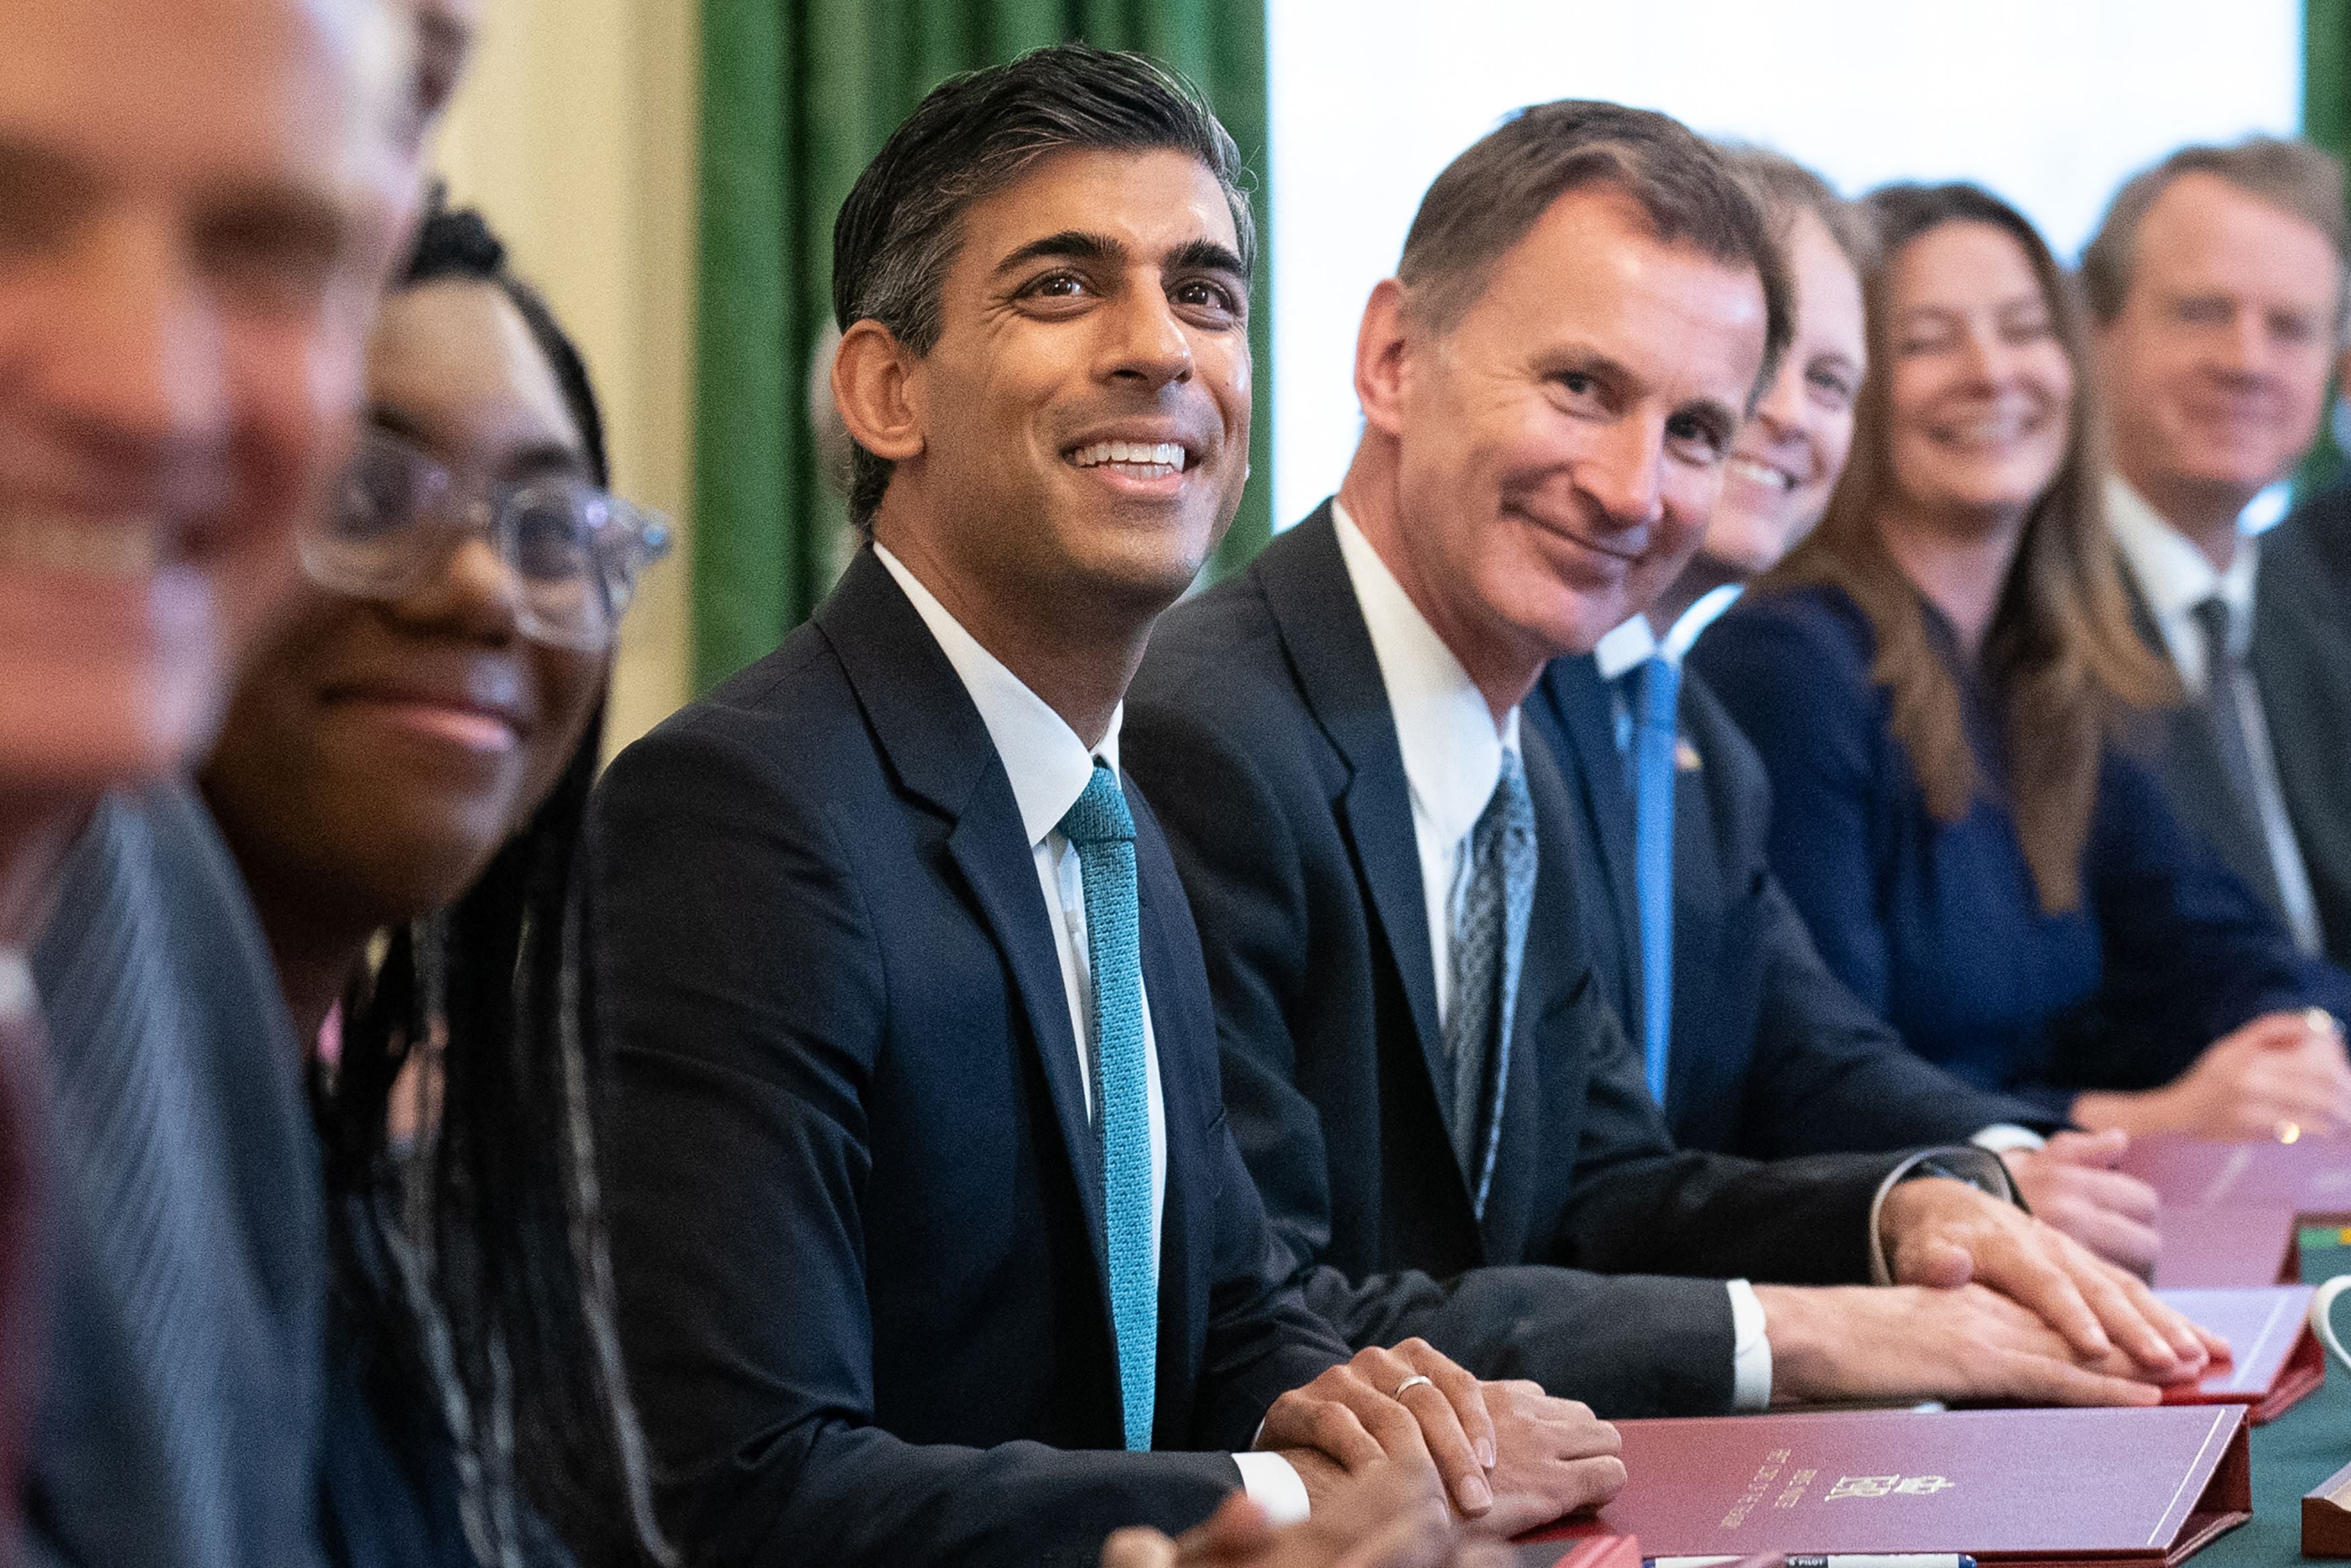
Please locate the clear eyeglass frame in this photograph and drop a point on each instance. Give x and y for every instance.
(575, 550)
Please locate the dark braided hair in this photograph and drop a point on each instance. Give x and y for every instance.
(476, 1265)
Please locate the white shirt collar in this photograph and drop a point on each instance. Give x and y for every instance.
(1452, 748)
(1049, 765)
(2173, 575)
(1635, 642)
(16, 985)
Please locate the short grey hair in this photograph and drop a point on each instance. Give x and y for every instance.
(1492, 196)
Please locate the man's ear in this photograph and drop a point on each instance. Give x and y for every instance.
(1380, 348)
(876, 384)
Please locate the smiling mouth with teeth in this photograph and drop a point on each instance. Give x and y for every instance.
(1133, 458)
(115, 547)
(1762, 473)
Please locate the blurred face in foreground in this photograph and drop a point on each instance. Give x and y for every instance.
(199, 199)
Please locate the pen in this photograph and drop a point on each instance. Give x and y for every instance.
(1847, 1560)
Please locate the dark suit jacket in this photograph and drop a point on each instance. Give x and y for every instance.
(2302, 661)
(1771, 1054)
(180, 1426)
(856, 1205)
(1261, 727)
(2179, 746)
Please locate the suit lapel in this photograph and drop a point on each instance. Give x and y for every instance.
(935, 743)
(1180, 1016)
(1314, 602)
(1596, 767)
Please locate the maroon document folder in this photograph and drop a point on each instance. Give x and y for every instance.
(1584, 1551)
(2207, 1244)
(2014, 1487)
(2275, 1359)
(2311, 1175)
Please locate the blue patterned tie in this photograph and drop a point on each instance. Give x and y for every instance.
(1102, 830)
(1493, 893)
(1657, 690)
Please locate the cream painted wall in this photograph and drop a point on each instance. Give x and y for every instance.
(574, 131)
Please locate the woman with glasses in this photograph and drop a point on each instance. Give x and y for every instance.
(1943, 682)
(401, 776)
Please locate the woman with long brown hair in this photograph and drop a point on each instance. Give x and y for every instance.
(1944, 684)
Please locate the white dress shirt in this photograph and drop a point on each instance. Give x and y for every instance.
(1452, 760)
(2173, 577)
(1050, 767)
(15, 986)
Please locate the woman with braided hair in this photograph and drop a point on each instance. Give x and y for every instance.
(401, 777)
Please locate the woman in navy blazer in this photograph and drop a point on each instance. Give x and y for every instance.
(1944, 685)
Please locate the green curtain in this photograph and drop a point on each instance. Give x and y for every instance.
(2326, 121)
(798, 95)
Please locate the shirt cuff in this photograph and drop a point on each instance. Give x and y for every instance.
(1273, 1485)
(1750, 1350)
(2007, 1137)
(1978, 1168)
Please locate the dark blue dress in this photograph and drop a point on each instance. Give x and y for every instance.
(1939, 926)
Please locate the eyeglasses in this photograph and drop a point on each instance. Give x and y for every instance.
(576, 550)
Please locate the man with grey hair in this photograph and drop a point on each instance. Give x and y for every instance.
(199, 199)
(1451, 1130)
(2216, 291)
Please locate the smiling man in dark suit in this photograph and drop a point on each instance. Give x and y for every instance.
(1444, 1114)
(932, 1243)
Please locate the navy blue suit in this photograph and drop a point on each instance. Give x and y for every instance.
(856, 1202)
(1771, 1054)
(1938, 926)
(1261, 726)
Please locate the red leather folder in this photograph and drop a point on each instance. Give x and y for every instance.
(1583, 1551)
(2031, 1488)
(2275, 1359)
(2311, 1175)
(2209, 1244)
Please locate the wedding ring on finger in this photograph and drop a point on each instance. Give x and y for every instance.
(1417, 1380)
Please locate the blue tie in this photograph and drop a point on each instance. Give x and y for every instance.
(1102, 830)
(1492, 894)
(1657, 690)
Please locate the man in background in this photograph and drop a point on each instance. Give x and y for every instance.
(2216, 291)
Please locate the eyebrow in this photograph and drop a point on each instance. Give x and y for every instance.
(534, 460)
(1076, 245)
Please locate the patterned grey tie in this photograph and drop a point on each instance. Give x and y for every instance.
(2242, 738)
(1492, 894)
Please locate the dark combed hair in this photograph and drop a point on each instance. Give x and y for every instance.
(1492, 196)
(477, 1263)
(2067, 670)
(974, 135)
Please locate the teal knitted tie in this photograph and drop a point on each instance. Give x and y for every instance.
(1102, 830)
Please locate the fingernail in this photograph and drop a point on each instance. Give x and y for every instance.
(1486, 1452)
(1475, 1495)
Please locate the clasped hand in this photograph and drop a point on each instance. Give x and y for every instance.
(1509, 1456)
